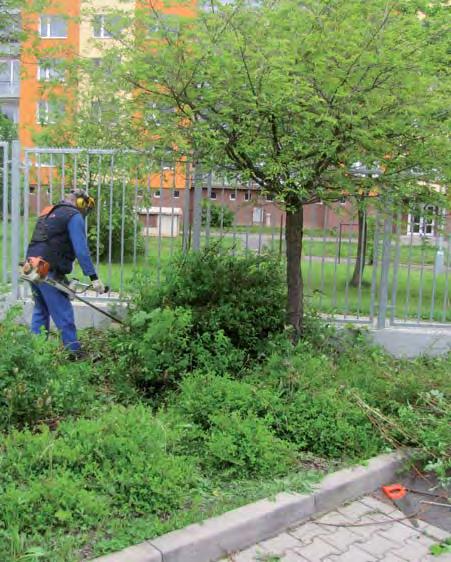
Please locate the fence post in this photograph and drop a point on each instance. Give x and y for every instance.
(385, 269)
(15, 218)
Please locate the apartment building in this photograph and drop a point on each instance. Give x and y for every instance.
(35, 90)
(10, 64)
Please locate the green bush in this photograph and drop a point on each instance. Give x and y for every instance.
(120, 463)
(244, 447)
(37, 382)
(242, 296)
(217, 216)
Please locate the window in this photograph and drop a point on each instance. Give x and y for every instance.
(51, 70)
(104, 27)
(10, 109)
(423, 223)
(213, 195)
(165, 23)
(49, 111)
(53, 27)
(10, 28)
(232, 196)
(247, 196)
(9, 78)
(269, 198)
(176, 194)
(157, 194)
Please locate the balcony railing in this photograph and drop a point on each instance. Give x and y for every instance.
(9, 89)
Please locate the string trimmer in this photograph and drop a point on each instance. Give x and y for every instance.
(36, 271)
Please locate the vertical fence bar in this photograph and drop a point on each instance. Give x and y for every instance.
(208, 209)
(375, 265)
(172, 195)
(336, 261)
(186, 209)
(88, 182)
(249, 199)
(147, 221)
(5, 223)
(135, 223)
(436, 269)
(26, 201)
(160, 220)
(409, 267)
(348, 264)
(15, 217)
(362, 260)
(99, 205)
(197, 211)
(75, 172)
(38, 195)
(63, 174)
(51, 180)
(110, 223)
(385, 269)
(445, 295)
(121, 284)
(323, 258)
(420, 290)
(394, 292)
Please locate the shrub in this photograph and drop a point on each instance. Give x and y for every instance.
(327, 424)
(244, 447)
(242, 296)
(88, 470)
(37, 382)
(217, 216)
(163, 349)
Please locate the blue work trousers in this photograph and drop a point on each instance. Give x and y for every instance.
(49, 302)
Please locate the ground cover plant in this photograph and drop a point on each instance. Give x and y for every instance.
(200, 404)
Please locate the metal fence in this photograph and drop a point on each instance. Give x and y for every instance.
(151, 207)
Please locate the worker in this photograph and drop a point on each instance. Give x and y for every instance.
(60, 237)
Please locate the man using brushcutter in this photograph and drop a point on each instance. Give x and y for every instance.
(58, 238)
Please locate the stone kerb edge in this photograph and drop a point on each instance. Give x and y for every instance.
(240, 528)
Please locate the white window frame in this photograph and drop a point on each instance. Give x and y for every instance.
(423, 224)
(177, 194)
(247, 196)
(157, 194)
(48, 27)
(103, 24)
(232, 196)
(213, 195)
(47, 120)
(13, 70)
(44, 72)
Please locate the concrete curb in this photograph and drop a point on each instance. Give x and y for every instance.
(236, 530)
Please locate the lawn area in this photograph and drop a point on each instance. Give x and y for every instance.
(326, 284)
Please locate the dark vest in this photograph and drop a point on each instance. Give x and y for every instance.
(51, 239)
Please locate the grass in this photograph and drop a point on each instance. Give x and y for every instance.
(327, 284)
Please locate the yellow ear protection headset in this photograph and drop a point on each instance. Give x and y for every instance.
(84, 202)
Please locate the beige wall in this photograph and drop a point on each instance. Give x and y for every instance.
(89, 46)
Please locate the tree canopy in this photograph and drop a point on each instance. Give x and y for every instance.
(289, 95)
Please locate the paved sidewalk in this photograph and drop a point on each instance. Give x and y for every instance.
(366, 530)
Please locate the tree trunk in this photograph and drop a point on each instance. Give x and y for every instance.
(293, 236)
(361, 249)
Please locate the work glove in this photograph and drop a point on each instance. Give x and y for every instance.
(98, 286)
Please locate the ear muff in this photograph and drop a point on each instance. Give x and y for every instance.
(85, 203)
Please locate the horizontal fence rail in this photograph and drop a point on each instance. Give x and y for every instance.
(152, 206)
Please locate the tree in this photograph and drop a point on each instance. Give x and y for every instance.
(290, 95)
